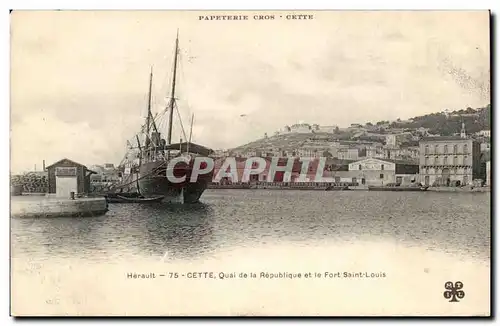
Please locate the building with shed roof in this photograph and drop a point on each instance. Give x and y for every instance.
(66, 176)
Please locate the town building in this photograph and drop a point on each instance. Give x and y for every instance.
(449, 160)
(66, 176)
(394, 140)
(297, 128)
(106, 173)
(375, 151)
(485, 147)
(327, 129)
(220, 153)
(348, 153)
(411, 153)
(377, 172)
(484, 133)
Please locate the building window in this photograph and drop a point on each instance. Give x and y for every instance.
(436, 149)
(382, 167)
(436, 160)
(455, 149)
(360, 167)
(381, 175)
(465, 149)
(427, 160)
(446, 149)
(445, 160)
(426, 149)
(455, 160)
(465, 160)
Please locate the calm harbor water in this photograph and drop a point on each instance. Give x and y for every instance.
(412, 242)
(453, 223)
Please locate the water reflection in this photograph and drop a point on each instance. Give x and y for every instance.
(177, 231)
(456, 223)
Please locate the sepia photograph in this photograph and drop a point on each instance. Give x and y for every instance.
(250, 163)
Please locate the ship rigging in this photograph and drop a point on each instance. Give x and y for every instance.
(145, 164)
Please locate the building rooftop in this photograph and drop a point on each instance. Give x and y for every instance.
(444, 138)
(403, 162)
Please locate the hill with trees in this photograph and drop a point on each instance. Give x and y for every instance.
(448, 123)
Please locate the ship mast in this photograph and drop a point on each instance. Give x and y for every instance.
(151, 119)
(172, 93)
(190, 133)
(149, 106)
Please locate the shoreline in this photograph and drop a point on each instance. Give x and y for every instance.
(342, 187)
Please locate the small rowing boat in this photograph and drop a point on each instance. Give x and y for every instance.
(141, 200)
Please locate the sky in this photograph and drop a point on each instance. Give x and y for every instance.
(79, 79)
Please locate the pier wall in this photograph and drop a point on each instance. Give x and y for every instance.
(48, 206)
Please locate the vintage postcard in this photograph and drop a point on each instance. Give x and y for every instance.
(250, 163)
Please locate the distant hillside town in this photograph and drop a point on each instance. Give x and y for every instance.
(442, 148)
(396, 140)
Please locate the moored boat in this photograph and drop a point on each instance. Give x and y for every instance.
(117, 198)
(142, 200)
(398, 187)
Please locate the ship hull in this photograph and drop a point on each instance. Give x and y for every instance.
(153, 182)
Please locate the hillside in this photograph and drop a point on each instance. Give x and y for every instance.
(448, 124)
(285, 142)
(442, 123)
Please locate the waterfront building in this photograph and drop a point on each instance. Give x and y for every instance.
(67, 176)
(449, 160)
(336, 170)
(378, 172)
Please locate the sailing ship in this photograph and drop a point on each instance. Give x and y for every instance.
(155, 153)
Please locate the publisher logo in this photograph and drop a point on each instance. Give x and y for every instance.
(454, 291)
